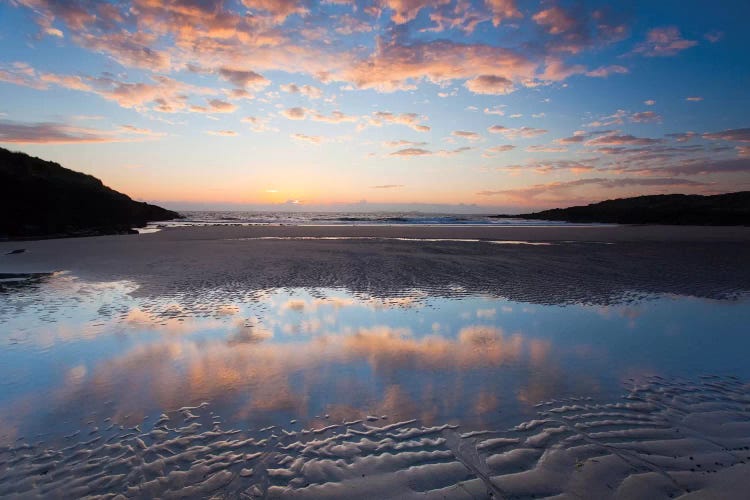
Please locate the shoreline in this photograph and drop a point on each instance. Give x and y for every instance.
(551, 232)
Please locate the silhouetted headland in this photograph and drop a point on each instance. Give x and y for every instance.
(40, 198)
(732, 209)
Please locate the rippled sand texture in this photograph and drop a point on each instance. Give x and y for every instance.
(662, 440)
(594, 265)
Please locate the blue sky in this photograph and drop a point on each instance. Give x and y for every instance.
(496, 104)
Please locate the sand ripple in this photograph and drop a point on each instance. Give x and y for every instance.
(664, 439)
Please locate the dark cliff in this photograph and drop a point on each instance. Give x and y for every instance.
(39, 198)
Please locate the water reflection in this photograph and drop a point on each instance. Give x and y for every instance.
(326, 355)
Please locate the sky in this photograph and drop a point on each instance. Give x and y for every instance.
(443, 105)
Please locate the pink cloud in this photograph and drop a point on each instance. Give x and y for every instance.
(614, 139)
(412, 152)
(244, 78)
(494, 150)
(60, 133)
(404, 11)
(645, 117)
(222, 133)
(278, 9)
(737, 134)
(521, 132)
(555, 20)
(411, 120)
(308, 91)
(490, 84)
(662, 42)
(395, 66)
(503, 10)
(472, 136)
(312, 139)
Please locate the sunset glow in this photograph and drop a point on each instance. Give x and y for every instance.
(498, 105)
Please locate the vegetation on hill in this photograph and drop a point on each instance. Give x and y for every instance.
(732, 209)
(39, 198)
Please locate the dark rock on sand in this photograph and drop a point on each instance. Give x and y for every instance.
(39, 198)
(732, 209)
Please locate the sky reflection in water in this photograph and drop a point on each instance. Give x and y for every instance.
(75, 352)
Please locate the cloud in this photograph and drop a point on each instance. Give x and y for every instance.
(683, 136)
(425, 152)
(257, 124)
(131, 49)
(714, 36)
(614, 139)
(244, 78)
(215, 106)
(306, 90)
(645, 117)
(412, 152)
(130, 129)
(462, 16)
(387, 186)
(545, 167)
(294, 113)
(348, 25)
(411, 120)
(492, 151)
(312, 139)
(310, 114)
(545, 149)
(401, 143)
(396, 66)
(578, 137)
(708, 167)
(650, 102)
(694, 98)
(495, 110)
(222, 133)
(57, 133)
(502, 10)
(555, 20)
(663, 42)
(563, 188)
(278, 9)
(617, 118)
(512, 133)
(490, 84)
(472, 136)
(605, 71)
(620, 116)
(334, 117)
(736, 134)
(404, 11)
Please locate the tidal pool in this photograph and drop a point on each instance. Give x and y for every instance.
(97, 381)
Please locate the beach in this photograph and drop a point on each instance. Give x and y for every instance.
(545, 264)
(381, 361)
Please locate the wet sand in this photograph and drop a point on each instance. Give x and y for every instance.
(593, 264)
(663, 439)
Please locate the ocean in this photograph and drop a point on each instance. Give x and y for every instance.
(198, 218)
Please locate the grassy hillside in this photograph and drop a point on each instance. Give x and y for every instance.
(39, 198)
(732, 209)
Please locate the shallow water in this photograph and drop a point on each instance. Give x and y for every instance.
(95, 376)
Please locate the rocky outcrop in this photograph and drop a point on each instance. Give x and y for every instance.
(39, 198)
